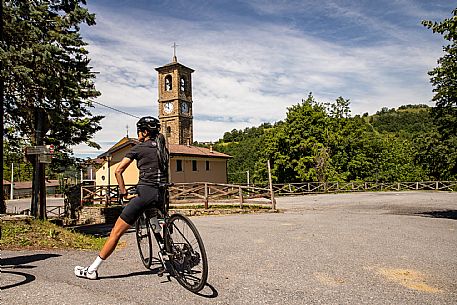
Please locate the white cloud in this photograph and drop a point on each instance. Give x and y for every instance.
(247, 74)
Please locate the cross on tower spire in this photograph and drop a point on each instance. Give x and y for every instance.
(175, 59)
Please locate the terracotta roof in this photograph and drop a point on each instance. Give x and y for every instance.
(176, 149)
(5, 182)
(119, 145)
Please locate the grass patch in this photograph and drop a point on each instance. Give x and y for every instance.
(38, 234)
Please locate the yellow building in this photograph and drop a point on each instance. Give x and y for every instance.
(187, 163)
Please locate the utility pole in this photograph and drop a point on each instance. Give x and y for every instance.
(2, 199)
(12, 182)
(38, 207)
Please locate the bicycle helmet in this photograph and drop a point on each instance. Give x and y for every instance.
(148, 123)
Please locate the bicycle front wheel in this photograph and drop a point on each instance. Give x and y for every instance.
(188, 256)
(144, 240)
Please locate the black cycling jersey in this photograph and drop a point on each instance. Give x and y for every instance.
(147, 157)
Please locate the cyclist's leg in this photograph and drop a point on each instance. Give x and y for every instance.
(120, 227)
(128, 217)
(146, 195)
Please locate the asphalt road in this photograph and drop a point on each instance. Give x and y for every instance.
(367, 248)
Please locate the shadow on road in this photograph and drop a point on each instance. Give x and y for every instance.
(27, 279)
(120, 276)
(449, 214)
(18, 261)
(99, 230)
(208, 292)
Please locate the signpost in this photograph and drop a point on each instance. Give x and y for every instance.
(42, 152)
(39, 155)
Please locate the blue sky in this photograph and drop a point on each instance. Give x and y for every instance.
(253, 59)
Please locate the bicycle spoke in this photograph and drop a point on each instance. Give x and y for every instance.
(188, 253)
(144, 241)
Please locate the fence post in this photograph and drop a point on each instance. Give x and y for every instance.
(82, 194)
(206, 196)
(436, 186)
(417, 186)
(240, 193)
(398, 186)
(272, 193)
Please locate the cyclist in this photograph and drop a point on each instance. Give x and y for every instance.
(152, 161)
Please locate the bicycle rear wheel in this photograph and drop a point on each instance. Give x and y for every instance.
(188, 259)
(144, 240)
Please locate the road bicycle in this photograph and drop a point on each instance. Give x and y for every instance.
(178, 244)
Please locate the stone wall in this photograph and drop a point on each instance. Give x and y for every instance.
(98, 215)
(107, 215)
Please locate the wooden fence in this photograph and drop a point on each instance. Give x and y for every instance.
(215, 192)
(103, 194)
(206, 192)
(341, 187)
(180, 193)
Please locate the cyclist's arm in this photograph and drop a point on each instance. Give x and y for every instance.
(118, 173)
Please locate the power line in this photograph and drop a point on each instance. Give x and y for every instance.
(112, 108)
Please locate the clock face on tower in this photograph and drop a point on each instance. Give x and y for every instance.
(184, 107)
(168, 107)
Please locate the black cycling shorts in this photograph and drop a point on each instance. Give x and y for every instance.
(148, 197)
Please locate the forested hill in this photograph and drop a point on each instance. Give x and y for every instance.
(324, 142)
(410, 118)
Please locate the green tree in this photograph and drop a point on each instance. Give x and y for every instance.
(46, 66)
(296, 147)
(409, 120)
(23, 170)
(444, 80)
(244, 146)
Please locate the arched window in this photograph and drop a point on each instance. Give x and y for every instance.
(182, 84)
(168, 83)
(168, 131)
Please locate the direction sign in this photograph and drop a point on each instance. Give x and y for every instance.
(36, 150)
(44, 158)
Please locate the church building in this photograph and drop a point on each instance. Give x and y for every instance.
(188, 163)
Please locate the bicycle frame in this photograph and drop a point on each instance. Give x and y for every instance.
(179, 242)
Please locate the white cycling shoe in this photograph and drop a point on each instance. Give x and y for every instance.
(84, 273)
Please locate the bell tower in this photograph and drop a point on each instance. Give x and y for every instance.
(175, 102)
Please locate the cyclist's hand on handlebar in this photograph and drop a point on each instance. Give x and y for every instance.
(128, 197)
